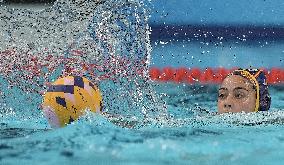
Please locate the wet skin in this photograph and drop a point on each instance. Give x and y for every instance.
(236, 94)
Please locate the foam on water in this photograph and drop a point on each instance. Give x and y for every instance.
(199, 139)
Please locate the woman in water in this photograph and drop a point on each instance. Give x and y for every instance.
(244, 90)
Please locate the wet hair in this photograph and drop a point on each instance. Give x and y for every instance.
(258, 79)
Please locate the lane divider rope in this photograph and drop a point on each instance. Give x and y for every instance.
(207, 75)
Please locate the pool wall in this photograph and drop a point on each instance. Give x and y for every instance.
(218, 12)
(217, 34)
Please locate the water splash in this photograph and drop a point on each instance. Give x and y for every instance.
(106, 41)
(32, 41)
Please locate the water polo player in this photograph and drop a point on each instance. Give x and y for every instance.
(244, 90)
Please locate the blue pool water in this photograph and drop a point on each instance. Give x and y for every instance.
(187, 136)
(183, 127)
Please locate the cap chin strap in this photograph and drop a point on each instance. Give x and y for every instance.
(252, 78)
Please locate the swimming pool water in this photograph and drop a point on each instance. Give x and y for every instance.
(187, 136)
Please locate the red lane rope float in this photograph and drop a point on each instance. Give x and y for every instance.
(32, 66)
(206, 76)
(31, 72)
(275, 76)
